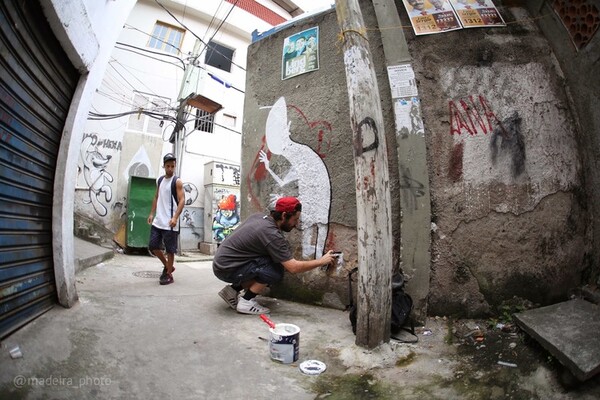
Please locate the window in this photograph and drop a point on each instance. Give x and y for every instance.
(218, 56)
(145, 123)
(166, 37)
(204, 121)
(229, 120)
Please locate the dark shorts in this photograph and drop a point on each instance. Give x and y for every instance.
(160, 236)
(262, 270)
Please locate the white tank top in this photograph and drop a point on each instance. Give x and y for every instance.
(164, 212)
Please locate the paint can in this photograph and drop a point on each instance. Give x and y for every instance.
(284, 343)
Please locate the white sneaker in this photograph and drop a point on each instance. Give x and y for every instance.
(230, 296)
(251, 307)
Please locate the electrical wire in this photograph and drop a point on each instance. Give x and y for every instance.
(213, 18)
(217, 30)
(135, 77)
(152, 36)
(204, 119)
(100, 117)
(118, 46)
(196, 36)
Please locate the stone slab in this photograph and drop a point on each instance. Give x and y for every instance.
(570, 331)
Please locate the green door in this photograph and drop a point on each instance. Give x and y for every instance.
(141, 194)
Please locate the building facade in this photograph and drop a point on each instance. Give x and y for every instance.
(72, 74)
(166, 53)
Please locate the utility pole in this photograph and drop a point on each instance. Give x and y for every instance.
(178, 145)
(373, 214)
(412, 157)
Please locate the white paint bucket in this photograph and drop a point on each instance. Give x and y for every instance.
(284, 343)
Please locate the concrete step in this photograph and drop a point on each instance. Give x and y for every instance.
(570, 331)
(88, 254)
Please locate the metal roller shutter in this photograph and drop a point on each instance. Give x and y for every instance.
(37, 82)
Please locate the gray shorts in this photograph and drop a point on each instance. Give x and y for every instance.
(262, 270)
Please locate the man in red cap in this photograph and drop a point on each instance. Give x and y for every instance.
(257, 253)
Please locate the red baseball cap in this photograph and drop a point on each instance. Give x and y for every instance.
(288, 205)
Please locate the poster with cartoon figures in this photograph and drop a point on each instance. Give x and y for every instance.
(300, 53)
(431, 16)
(477, 13)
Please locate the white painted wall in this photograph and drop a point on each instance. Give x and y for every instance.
(111, 150)
(87, 38)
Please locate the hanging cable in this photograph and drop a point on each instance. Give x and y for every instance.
(151, 51)
(152, 36)
(217, 30)
(196, 36)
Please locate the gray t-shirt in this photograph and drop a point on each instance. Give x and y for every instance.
(256, 237)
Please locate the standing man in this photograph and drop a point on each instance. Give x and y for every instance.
(256, 254)
(164, 216)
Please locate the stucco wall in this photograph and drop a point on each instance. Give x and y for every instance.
(508, 214)
(581, 69)
(320, 155)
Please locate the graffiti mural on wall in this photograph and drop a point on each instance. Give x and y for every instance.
(139, 165)
(229, 175)
(96, 177)
(474, 116)
(226, 217)
(471, 117)
(508, 140)
(187, 220)
(412, 189)
(191, 193)
(307, 170)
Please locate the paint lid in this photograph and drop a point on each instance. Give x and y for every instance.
(312, 367)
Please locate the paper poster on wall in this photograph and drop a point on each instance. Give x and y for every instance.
(300, 53)
(431, 16)
(402, 81)
(477, 13)
(407, 114)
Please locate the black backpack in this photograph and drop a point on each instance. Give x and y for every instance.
(402, 305)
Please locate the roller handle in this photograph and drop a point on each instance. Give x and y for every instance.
(267, 321)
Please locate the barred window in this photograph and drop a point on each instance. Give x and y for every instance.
(204, 121)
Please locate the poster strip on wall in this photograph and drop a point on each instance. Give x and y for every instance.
(477, 13)
(300, 53)
(432, 16)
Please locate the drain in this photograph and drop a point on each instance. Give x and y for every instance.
(147, 274)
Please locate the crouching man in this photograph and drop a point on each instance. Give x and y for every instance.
(256, 254)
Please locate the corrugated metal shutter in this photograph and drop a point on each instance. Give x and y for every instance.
(37, 82)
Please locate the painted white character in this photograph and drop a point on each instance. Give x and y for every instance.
(310, 174)
(96, 176)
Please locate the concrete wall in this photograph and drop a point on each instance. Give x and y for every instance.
(581, 69)
(507, 204)
(313, 162)
(508, 214)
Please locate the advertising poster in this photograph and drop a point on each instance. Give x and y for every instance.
(477, 13)
(431, 16)
(300, 53)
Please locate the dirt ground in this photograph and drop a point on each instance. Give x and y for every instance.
(464, 359)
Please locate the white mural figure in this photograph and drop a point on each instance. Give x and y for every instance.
(310, 174)
(96, 176)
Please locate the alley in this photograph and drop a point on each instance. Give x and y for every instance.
(130, 338)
